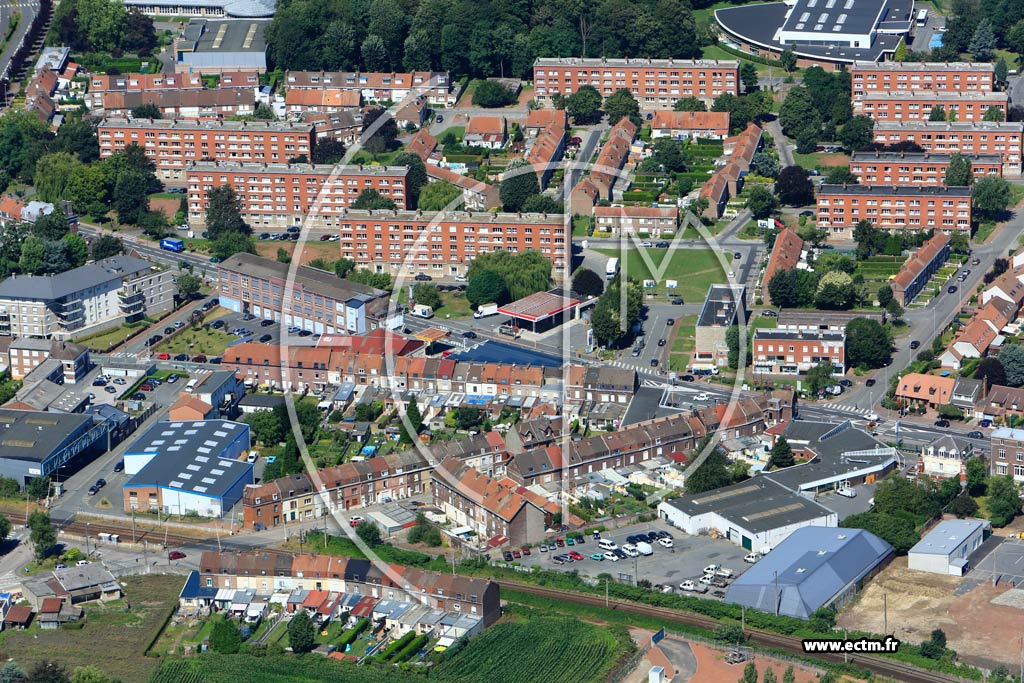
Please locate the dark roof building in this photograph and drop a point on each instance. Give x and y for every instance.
(36, 443)
(812, 568)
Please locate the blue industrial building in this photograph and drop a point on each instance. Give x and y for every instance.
(814, 567)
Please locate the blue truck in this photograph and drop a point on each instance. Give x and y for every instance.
(172, 244)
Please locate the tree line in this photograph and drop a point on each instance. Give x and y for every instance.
(474, 38)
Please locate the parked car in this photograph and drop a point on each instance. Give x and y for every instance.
(677, 301)
(110, 389)
(576, 556)
(199, 358)
(611, 557)
(693, 586)
(661, 342)
(176, 555)
(751, 558)
(266, 338)
(598, 557)
(159, 356)
(543, 547)
(146, 387)
(516, 554)
(737, 255)
(870, 383)
(646, 244)
(266, 323)
(526, 550)
(354, 520)
(422, 277)
(171, 379)
(975, 435)
(914, 344)
(686, 378)
(120, 380)
(469, 335)
(168, 330)
(665, 542)
(507, 556)
(662, 245)
(951, 289)
(942, 423)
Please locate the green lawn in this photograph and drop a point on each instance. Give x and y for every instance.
(822, 160)
(103, 341)
(582, 226)
(205, 341)
(682, 343)
(694, 270)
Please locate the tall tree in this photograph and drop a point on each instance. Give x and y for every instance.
(690, 104)
(991, 371)
(857, 133)
(130, 198)
(748, 76)
(712, 474)
(372, 199)
(487, 287)
(587, 283)
(983, 43)
(375, 54)
(794, 187)
(867, 343)
(439, 195)
(584, 104)
(959, 172)
(417, 175)
(106, 246)
(224, 213)
(42, 533)
(225, 637)
(383, 136)
(518, 183)
(994, 114)
(938, 113)
(301, 633)
(1003, 500)
(991, 196)
(146, 111)
(622, 105)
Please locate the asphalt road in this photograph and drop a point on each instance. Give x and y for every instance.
(28, 10)
(153, 252)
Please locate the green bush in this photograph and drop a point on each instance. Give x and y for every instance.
(392, 649)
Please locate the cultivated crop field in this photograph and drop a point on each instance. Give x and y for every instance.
(559, 649)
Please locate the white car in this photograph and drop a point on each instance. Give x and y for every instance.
(665, 542)
(702, 397)
(871, 417)
(712, 568)
(731, 275)
(460, 278)
(611, 557)
(631, 550)
(81, 563)
(707, 579)
(752, 557)
(251, 457)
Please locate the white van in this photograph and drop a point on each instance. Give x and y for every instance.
(605, 544)
(191, 386)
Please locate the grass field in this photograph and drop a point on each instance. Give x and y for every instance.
(821, 160)
(682, 343)
(113, 637)
(192, 342)
(694, 270)
(108, 338)
(455, 306)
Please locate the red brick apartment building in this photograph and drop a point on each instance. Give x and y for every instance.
(910, 105)
(655, 83)
(840, 207)
(867, 77)
(979, 137)
(444, 244)
(793, 352)
(281, 195)
(650, 220)
(908, 168)
(436, 86)
(174, 144)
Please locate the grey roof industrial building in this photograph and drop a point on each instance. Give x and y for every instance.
(841, 452)
(35, 443)
(232, 45)
(814, 567)
(831, 31)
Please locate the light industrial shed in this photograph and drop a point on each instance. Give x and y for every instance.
(946, 549)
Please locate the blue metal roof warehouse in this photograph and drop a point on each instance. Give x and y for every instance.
(814, 567)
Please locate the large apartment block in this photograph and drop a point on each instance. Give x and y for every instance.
(436, 86)
(980, 137)
(316, 300)
(281, 195)
(840, 207)
(95, 296)
(174, 144)
(909, 168)
(910, 105)
(793, 352)
(655, 83)
(868, 77)
(409, 242)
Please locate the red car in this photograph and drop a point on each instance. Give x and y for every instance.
(176, 555)
(526, 550)
(146, 387)
(516, 554)
(164, 356)
(575, 555)
(560, 542)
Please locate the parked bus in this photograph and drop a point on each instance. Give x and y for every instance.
(172, 244)
(922, 17)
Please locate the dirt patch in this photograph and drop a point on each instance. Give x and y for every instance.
(833, 160)
(169, 207)
(311, 251)
(711, 667)
(983, 633)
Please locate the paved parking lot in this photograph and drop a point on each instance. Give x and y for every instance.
(685, 560)
(1005, 561)
(233, 320)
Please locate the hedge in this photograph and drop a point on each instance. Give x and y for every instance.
(412, 648)
(397, 645)
(351, 636)
(749, 57)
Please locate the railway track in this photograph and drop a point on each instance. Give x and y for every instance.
(877, 665)
(91, 529)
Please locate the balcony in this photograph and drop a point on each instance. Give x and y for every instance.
(132, 304)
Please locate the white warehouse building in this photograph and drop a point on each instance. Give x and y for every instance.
(947, 548)
(757, 514)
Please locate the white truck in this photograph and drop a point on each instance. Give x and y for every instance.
(485, 310)
(693, 586)
(611, 270)
(423, 311)
(644, 548)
